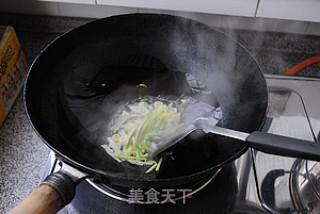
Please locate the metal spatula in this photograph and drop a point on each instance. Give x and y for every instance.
(265, 142)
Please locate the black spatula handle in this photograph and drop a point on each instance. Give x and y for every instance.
(286, 146)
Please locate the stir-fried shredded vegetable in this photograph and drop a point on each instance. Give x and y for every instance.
(139, 125)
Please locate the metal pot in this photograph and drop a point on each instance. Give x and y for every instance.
(305, 186)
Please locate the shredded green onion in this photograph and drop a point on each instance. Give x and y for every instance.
(159, 164)
(143, 85)
(123, 156)
(151, 168)
(140, 124)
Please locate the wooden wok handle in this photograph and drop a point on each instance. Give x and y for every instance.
(55, 192)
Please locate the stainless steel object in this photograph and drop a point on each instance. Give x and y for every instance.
(305, 186)
(265, 142)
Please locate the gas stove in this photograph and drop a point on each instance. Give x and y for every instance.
(255, 183)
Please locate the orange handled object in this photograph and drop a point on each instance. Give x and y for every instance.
(49, 197)
(303, 64)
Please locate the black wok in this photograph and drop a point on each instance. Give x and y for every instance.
(77, 83)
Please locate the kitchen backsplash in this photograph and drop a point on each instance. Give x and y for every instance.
(261, 15)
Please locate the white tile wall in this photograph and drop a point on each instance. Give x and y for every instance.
(221, 21)
(306, 10)
(245, 23)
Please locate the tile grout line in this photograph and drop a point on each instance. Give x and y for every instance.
(258, 3)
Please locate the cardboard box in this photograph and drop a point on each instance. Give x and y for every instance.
(13, 69)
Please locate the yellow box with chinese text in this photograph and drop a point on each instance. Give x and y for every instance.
(13, 69)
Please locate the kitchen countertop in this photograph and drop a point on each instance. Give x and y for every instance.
(23, 155)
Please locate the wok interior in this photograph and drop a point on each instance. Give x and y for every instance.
(77, 84)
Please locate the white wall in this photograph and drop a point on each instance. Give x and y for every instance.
(251, 18)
